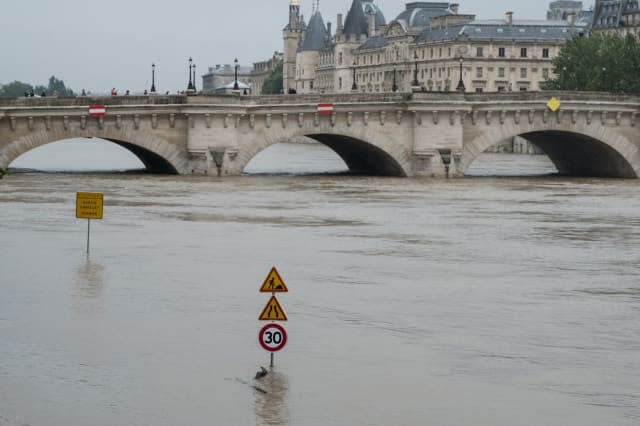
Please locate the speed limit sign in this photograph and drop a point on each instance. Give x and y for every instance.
(272, 337)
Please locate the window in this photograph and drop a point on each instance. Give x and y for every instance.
(545, 53)
(523, 89)
(340, 83)
(501, 88)
(449, 52)
(479, 52)
(479, 72)
(440, 53)
(523, 52)
(340, 58)
(501, 52)
(478, 89)
(310, 85)
(523, 73)
(545, 73)
(501, 72)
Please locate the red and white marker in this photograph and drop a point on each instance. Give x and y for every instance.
(325, 109)
(97, 111)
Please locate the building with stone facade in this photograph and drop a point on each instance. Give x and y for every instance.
(221, 78)
(620, 17)
(430, 46)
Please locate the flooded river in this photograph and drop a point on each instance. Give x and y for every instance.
(481, 301)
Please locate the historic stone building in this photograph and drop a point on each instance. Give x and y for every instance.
(429, 46)
(221, 78)
(620, 17)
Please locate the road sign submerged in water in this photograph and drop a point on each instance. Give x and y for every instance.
(274, 283)
(273, 311)
(272, 337)
(89, 205)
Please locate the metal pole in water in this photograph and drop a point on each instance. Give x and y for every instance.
(88, 234)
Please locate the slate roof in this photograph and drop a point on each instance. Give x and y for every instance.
(376, 42)
(499, 30)
(356, 22)
(316, 35)
(608, 13)
(419, 14)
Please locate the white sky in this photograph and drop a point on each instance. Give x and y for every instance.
(99, 45)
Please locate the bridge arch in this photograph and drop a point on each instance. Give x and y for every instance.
(575, 150)
(158, 155)
(361, 156)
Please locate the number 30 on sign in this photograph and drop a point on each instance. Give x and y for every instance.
(272, 337)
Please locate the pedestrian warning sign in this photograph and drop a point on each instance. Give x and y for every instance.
(273, 311)
(274, 283)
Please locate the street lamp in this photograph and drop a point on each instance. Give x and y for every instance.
(564, 78)
(461, 87)
(354, 86)
(194, 78)
(604, 80)
(235, 84)
(190, 86)
(153, 78)
(394, 87)
(415, 83)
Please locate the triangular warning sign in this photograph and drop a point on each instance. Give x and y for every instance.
(274, 283)
(273, 311)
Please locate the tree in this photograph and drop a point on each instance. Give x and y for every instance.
(601, 62)
(57, 87)
(15, 89)
(273, 83)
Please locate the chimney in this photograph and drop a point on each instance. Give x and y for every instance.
(509, 18)
(454, 8)
(329, 28)
(571, 19)
(371, 20)
(339, 26)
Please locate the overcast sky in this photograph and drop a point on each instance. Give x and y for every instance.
(99, 45)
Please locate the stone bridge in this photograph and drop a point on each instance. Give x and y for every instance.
(420, 134)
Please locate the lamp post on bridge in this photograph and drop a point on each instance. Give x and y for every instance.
(394, 87)
(354, 86)
(190, 86)
(604, 78)
(415, 83)
(564, 78)
(461, 87)
(153, 79)
(194, 78)
(235, 84)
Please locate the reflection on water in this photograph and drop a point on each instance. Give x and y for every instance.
(271, 406)
(90, 279)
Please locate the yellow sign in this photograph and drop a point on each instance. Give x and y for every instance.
(273, 311)
(89, 205)
(273, 283)
(553, 104)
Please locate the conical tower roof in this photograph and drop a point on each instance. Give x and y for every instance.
(356, 22)
(316, 36)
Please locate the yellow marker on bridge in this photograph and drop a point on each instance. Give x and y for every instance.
(554, 104)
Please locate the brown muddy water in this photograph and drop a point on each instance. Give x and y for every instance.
(480, 301)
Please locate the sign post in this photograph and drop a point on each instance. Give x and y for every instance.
(273, 337)
(89, 205)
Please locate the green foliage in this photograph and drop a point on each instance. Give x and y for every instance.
(601, 62)
(273, 83)
(15, 89)
(18, 88)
